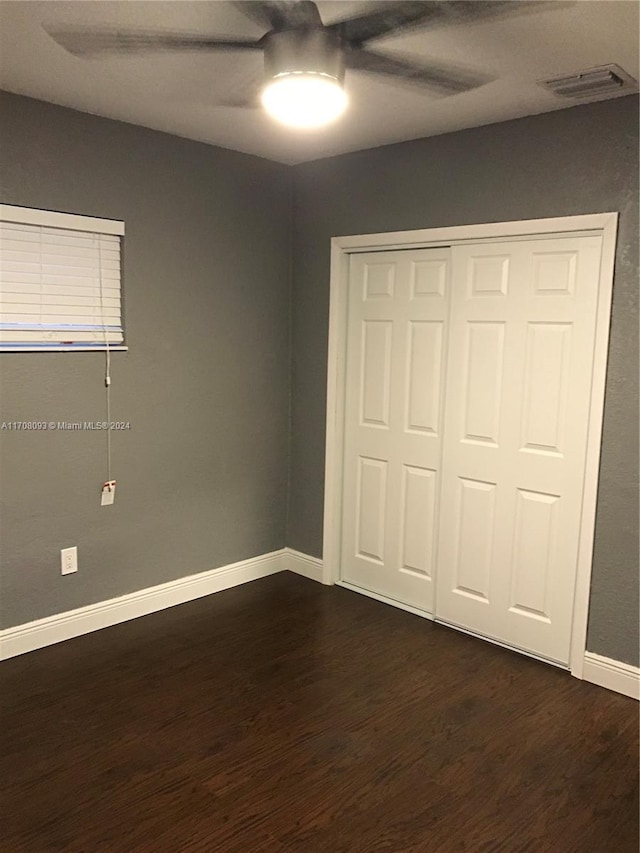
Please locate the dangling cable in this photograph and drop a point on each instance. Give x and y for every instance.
(107, 372)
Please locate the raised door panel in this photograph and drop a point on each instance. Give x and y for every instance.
(371, 503)
(428, 278)
(482, 382)
(553, 273)
(418, 520)
(474, 538)
(546, 378)
(379, 280)
(423, 376)
(488, 275)
(375, 373)
(534, 549)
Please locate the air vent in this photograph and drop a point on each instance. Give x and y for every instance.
(608, 81)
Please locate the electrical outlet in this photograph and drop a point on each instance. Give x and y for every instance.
(69, 560)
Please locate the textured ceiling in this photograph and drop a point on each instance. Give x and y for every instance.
(180, 94)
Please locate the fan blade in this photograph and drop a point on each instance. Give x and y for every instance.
(247, 102)
(93, 42)
(385, 18)
(282, 15)
(394, 17)
(447, 81)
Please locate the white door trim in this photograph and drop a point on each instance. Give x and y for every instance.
(341, 247)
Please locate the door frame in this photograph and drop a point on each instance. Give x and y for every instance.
(604, 224)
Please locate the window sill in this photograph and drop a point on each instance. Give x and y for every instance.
(49, 348)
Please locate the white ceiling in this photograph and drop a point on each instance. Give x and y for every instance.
(178, 93)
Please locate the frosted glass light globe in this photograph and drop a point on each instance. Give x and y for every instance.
(304, 100)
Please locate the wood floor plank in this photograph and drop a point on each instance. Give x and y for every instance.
(284, 716)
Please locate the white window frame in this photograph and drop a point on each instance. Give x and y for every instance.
(70, 222)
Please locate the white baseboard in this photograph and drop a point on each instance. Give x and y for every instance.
(612, 674)
(74, 623)
(303, 564)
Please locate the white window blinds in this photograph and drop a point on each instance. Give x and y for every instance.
(60, 284)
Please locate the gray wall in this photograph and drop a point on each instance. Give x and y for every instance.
(202, 474)
(580, 160)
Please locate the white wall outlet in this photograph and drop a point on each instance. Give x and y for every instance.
(69, 560)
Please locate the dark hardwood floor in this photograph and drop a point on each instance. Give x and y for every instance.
(286, 716)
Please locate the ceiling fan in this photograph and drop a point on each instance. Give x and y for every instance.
(305, 60)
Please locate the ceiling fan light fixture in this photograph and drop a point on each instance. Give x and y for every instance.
(304, 99)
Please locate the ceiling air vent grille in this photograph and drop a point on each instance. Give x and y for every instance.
(604, 82)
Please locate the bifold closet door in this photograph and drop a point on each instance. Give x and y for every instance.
(519, 377)
(393, 422)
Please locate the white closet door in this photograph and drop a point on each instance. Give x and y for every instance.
(519, 377)
(393, 422)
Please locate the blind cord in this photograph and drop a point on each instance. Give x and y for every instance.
(107, 370)
(108, 389)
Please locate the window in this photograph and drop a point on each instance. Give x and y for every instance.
(59, 281)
